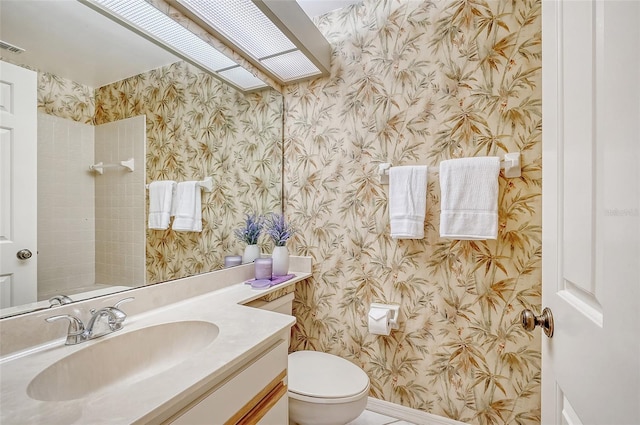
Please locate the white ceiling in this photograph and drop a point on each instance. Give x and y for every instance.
(315, 8)
(73, 41)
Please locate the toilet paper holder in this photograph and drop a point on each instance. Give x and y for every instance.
(394, 311)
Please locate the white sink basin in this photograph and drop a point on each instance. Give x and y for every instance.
(121, 358)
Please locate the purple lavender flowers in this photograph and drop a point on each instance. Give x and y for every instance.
(250, 233)
(278, 229)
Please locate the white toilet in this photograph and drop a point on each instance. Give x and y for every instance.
(325, 389)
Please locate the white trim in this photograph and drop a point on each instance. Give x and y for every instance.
(408, 414)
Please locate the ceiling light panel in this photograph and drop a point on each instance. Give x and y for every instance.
(242, 23)
(291, 66)
(142, 15)
(243, 78)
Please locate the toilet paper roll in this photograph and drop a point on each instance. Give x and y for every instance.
(379, 321)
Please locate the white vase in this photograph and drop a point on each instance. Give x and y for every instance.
(280, 257)
(251, 252)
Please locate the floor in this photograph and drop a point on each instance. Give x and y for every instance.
(371, 418)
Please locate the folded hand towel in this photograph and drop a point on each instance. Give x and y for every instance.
(469, 204)
(407, 201)
(160, 201)
(187, 208)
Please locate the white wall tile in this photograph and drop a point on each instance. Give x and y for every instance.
(120, 201)
(65, 204)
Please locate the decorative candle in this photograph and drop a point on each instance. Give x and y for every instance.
(263, 266)
(232, 260)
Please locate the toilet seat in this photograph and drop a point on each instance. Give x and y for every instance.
(324, 378)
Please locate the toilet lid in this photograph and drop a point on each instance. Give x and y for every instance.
(323, 375)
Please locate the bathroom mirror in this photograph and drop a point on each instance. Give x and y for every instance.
(125, 97)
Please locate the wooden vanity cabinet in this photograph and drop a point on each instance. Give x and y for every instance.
(256, 393)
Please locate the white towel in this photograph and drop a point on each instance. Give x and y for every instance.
(160, 203)
(469, 204)
(187, 208)
(407, 201)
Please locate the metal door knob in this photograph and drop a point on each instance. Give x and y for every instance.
(24, 254)
(545, 321)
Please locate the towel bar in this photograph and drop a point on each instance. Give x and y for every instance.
(99, 167)
(510, 164)
(206, 184)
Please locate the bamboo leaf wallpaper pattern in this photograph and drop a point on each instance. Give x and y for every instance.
(197, 127)
(64, 98)
(417, 82)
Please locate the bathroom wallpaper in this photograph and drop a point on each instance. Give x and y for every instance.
(198, 127)
(64, 98)
(417, 82)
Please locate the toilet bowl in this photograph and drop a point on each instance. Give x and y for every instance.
(325, 389)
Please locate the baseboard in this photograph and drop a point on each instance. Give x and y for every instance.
(408, 414)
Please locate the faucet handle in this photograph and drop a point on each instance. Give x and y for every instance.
(75, 332)
(75, 324)
(118, 314)
(124, 300)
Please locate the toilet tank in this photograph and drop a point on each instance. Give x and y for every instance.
(282, 304)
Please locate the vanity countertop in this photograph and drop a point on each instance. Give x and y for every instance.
(243, 333)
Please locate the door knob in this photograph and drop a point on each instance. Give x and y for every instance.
(24, 254)
(545, 321)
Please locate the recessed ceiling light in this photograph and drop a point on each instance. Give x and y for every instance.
(242, 23)
(274, 35)
(291, 66)
(242, 78)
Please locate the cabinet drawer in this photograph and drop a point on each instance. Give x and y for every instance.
(223, 402)
(279, 413)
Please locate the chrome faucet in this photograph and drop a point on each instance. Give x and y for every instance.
(91, 332)
(77, 332)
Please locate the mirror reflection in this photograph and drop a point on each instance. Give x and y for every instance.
(106, 95)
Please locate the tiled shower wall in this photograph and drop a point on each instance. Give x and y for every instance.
(120, 203)
(90, 226)
(65, 235)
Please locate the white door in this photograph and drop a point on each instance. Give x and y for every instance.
(591, 211)
(18, 185)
